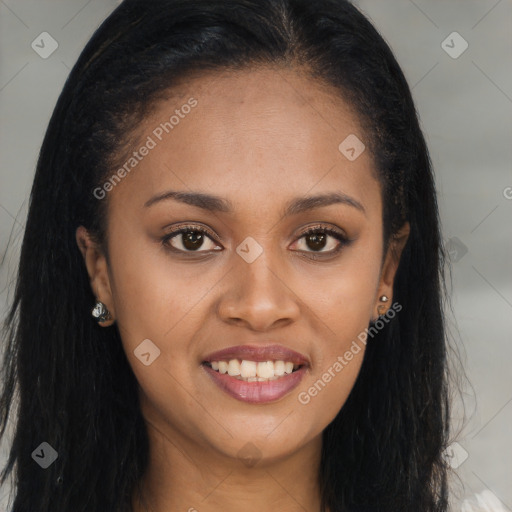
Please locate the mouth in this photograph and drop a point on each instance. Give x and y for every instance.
(256, 374)
(254, 371)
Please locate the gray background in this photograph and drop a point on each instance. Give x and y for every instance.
(465, 106)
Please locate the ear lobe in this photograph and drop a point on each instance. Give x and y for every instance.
(390, 266)
(97, 268)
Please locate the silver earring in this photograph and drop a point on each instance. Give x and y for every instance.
(100, 312)
(381, 309)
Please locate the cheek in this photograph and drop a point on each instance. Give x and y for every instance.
(325, 393)
(152, 293)
(344, 304)
(343, 296)
(338, 360)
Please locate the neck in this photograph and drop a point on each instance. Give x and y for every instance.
(184, 475)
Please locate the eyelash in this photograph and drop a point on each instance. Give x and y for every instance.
(342, 239)
(186, 229)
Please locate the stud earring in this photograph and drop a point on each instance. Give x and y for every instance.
(382, 309)
(100, 312)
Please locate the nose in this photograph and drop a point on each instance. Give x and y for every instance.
(258, 296)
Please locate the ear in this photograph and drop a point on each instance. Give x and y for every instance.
(389, 268)
(97, 268)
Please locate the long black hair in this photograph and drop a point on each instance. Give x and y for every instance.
(70, 379)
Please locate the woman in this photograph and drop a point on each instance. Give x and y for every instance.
(230, 287)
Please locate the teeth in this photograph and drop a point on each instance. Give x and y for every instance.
(234, 367)
(252, 371)
(279, 368)
(266, 369)
(247, 368)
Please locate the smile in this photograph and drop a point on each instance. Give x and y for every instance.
(256, 374)
(254, 371)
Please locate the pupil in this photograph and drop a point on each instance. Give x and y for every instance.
(317, 241)
(192, 240)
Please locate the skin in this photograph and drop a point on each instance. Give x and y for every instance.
(258, 138)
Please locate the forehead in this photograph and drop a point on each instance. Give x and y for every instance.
(252, 134)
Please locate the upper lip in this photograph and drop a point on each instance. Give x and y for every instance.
(258, 353)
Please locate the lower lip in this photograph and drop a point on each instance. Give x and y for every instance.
(256, 392)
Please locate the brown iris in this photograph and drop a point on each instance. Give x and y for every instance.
(192, 240)
(316, 241)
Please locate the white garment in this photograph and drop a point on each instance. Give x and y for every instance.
(486, 501)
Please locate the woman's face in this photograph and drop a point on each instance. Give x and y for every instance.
(254, 160)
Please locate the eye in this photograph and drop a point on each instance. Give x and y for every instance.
(190, 239)
(323, 240)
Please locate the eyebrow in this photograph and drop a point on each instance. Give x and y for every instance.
(205, 201)
(302, 204)
(213, 203)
